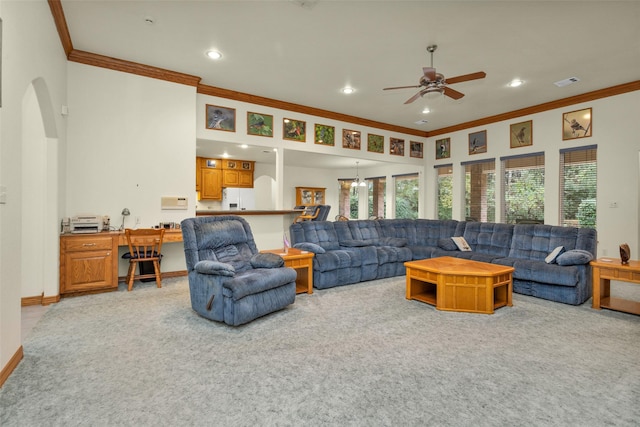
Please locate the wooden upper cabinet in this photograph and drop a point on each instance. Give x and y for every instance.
(237, 173)
(309, 196)
(212, 175)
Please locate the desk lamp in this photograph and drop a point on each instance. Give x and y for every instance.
(125, 213)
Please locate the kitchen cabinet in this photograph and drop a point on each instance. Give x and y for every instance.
(237, 173)
(310, 196)
(88, 262)
(212, 175)
(209, 178)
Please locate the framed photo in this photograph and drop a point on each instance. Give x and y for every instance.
(294, 130)
(576, 124)
(443, 148)
(259, 124)
(325, 135)
(221, 118)
(521, 134)
(396, 147)
(416, 149)
(246, 166)
(231, 164)
(375, 143)
(478, 142)
(351, 139)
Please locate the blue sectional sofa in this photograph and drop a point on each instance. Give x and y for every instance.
(349, 252)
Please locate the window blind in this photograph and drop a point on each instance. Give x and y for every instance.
(578, 185)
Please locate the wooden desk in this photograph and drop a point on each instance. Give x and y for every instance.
(604, 271)
(89, 262)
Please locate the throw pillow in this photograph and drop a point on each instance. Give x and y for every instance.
(574, 257)
(447, 244)
(461, 243)
(311, 247)
(551, 258)
(266, 261)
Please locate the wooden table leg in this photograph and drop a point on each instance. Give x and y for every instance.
(596, 289)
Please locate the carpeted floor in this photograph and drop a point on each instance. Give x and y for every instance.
(356, 355)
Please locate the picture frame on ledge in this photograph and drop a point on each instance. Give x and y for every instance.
(351, 139)
(221, 118)
(416, 149)
(576, 124)
(478, 142)
(521, 134)
(325, 135)
(375, 143)
(443, 148)
(260, 124)
(294, 130)
(396, 147)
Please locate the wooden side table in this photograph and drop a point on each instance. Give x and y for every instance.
(604, 271)
(302, 262)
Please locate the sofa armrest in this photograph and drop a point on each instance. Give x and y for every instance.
(215, 268)
(266, 260)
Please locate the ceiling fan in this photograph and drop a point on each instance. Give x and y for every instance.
(431, 81)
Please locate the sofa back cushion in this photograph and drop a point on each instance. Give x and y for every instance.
(429, 231)
(364, 229)
(400, 228)
(488, 238)
(322, 233)
(537, 241)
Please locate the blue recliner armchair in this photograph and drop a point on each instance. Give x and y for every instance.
(229, 280)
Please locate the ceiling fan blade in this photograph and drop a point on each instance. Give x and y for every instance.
(467, 77)
(452, 93)
(429, 73)
(413, 98)
(400, 87)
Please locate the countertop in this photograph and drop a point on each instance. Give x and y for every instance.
(208, 212)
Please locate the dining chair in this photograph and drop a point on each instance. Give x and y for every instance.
(145, 245)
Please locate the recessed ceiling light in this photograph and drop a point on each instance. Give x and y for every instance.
(426, 110)
(214, 54)
(515, 83)
(244, 146)
(347, 90)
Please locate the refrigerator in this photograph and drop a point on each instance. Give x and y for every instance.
(238, 199)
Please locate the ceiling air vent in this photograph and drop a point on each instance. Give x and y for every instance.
(566, 82)
(422, 122)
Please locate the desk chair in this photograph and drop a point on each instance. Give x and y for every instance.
(145, 245)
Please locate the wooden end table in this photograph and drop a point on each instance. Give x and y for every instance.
(457, 284)
(302, 262)
(604, 271)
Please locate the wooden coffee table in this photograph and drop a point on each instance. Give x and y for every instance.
(302, 262)
(456, 284)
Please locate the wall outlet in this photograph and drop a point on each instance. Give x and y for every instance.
(613, 204)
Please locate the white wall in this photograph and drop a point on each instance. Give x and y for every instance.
(131, 140)
(31, 52)
(618, 148)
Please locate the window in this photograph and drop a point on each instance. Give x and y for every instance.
(377, 188)
(523, 188)
(578, 173)
(445, 191)
(348, 199)
(407, 189)
(480, 189)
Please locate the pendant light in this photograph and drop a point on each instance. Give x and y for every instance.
(356, 182)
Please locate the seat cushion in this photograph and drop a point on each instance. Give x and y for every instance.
(257, 280)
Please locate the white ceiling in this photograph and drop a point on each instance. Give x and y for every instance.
(304, 52)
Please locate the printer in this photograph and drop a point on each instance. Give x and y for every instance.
(86, 224)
